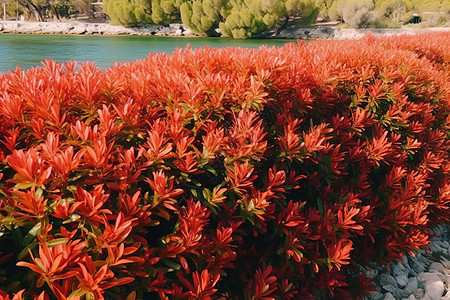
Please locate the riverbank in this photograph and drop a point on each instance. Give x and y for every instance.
(81, 28)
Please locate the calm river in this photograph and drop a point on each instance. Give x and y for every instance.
(29, 50)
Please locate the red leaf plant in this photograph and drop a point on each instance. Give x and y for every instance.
(271, 173)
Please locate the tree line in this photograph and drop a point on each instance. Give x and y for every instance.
(250, 18)
(245, 18)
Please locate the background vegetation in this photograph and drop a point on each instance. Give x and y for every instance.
(223, 173)
(245, 18)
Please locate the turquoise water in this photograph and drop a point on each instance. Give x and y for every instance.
(27, 51)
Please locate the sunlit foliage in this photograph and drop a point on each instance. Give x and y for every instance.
(223, 173)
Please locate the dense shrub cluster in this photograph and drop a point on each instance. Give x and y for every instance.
(223, 173)
(236, 18)
(385, 13)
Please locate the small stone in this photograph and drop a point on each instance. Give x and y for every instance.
(386, 279)
(437, 267)
(399, 269)
(419, 293)
(405, 261)
(412, 285)
(376, 295)
(402, 280)
(428, 277)
(371, 273)
(399, 294)
(445, 262)
(388, 296)
(435, 247)
(187, 32)
(411, 297)
(412, 273)
(418, 266)
(434, 290)
(390, 288)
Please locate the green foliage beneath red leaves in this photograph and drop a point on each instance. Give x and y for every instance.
(233, 173)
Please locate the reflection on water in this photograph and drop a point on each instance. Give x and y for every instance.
(29, 50)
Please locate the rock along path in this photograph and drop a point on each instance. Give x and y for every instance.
(425, 276)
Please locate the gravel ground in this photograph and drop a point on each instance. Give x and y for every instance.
(425, 276)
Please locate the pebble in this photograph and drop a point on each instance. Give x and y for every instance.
(386, 279)
(418, 266)
(428, 277)
(437, 267)
(390, 288)
(412, 285)
(424, 276)
(402, 280)
(376, 295)
(399, 269)
(419, 293)
(388, 296)
(434, 290)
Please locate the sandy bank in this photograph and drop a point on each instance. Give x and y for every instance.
(77, 28)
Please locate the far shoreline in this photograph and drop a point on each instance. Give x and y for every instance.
(179, 30)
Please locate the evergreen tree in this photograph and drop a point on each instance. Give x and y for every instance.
(128, 12)
(392, 13)
(253, 17)
(166, 11)
(203, 16)
(242, 23)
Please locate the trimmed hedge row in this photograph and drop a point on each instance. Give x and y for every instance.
(223, 173)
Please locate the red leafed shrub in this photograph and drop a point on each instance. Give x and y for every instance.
(223, 173)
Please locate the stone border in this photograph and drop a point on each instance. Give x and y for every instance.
(78, 28)
(337, 33)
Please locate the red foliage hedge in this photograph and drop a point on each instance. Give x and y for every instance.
(223, 173)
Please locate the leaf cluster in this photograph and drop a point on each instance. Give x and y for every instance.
(223, 173)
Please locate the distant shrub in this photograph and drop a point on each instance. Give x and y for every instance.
(356, 13)
(223, 173)
(392, 13)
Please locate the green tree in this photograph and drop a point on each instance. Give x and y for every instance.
(392, 13)
(254, 17)
(166, 11)
(203, 16)
(44, 10)
(128, 12)
(242, 23)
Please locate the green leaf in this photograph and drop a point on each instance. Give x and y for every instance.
(320, 205)
(57, 242)
(77, 293)
(17, 235)
(39, 193)
(90, 296)
(171, 264)
(24, 251)
(211, 170)
(31, 234)
(12, 286)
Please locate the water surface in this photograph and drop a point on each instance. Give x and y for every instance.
(27, 51)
